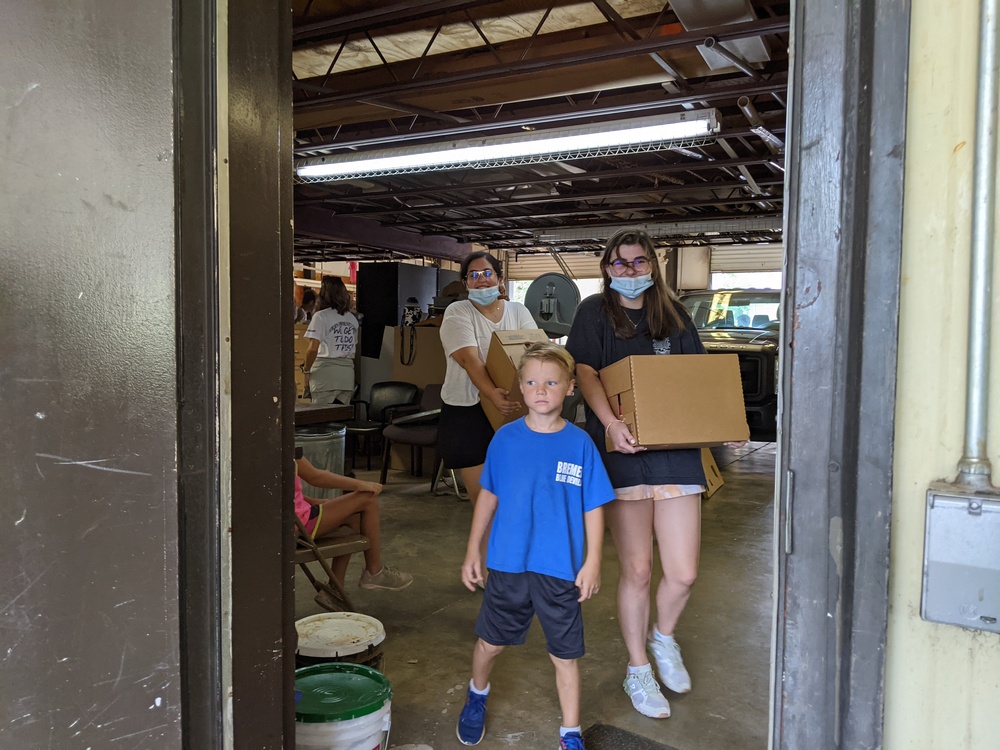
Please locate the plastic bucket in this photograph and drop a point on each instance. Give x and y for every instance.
(342, 707)
(323, 445)
(339, 637)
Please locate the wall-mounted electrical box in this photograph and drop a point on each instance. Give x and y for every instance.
(961, 582)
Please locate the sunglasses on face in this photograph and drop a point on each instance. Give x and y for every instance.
(477, 275)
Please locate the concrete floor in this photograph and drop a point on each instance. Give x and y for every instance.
(725, 632)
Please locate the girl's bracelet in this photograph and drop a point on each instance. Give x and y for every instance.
(608, 428)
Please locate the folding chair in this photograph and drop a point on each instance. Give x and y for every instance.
(330, 595)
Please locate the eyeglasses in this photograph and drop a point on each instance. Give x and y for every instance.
(640, 264)
(477, 275)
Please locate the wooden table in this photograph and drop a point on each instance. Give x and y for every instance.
(306, 414)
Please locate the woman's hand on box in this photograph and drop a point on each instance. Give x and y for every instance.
(499, 398)
(736, 444)
(622, 438)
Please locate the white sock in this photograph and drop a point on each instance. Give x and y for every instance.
(639, 670)
(563, 731)
(477, 691)
(662, 638)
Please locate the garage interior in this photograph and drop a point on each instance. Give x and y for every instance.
(152, 605)
(404, 77)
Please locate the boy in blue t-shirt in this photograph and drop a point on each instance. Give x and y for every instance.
(543, 487)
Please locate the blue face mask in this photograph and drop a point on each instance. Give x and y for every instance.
(631, 287)
(485, 296)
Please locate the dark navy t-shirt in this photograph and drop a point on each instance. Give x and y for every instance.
(592, 341)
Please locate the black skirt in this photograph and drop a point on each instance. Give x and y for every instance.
(464, 434)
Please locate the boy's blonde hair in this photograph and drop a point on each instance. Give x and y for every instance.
(544, 351)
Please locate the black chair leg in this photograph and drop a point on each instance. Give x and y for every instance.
(368, 453)
(385, 461)
(418, 461)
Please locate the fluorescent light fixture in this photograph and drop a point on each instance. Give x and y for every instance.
(654, 133)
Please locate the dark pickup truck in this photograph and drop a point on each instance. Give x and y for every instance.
(744, 322)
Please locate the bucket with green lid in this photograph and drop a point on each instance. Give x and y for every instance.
(342, 707)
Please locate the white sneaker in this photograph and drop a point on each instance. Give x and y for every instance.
(646, 696)
(669, 665)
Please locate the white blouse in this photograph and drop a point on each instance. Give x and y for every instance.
(463, 326)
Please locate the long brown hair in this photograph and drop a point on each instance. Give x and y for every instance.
(333, 293)
(658, 301)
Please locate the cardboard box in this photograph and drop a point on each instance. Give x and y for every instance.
(713, 477)
(687, 401)
(506, 348)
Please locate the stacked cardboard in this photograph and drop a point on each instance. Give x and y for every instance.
(301, 346)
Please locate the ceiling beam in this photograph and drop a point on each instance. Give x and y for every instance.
(520, 67)
(553, 114)
(643, 208)
(722, 223)
(379, 16)
(324, 224)
(664, 189)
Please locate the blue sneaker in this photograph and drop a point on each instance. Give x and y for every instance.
(472, 721)
(571, 741)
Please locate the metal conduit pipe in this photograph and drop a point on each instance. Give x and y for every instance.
(974, 467)
(713, 44)
(773, 142)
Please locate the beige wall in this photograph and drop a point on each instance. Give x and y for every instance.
(942, 682)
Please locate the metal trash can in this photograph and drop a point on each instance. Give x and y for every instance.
(323, 445)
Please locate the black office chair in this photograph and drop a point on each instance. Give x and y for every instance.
(385, 398)
(419, 430)
(571, 404)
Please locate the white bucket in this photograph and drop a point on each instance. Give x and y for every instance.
(342, 706)
(339, 636)
(365, 733)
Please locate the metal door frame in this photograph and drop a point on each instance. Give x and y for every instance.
(844, 198)
(844, 242)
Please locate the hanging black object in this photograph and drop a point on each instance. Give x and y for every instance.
(407, 328)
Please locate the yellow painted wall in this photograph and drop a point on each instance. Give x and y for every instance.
(942, 682)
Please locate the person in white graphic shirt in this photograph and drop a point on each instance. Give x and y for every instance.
(333, 342)
(543, 488)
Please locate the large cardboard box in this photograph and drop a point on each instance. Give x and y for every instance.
(687, 401)
(506, 348)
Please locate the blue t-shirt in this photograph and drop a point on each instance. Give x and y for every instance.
(544, 483)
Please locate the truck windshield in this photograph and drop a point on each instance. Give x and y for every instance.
(734, 309)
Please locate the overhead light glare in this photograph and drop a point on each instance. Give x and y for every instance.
(621, 137)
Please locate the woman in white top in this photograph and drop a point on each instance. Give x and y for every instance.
(464, 432)
(333, 330)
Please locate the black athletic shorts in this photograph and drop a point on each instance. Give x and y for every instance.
(464, 434)
(512, 599)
